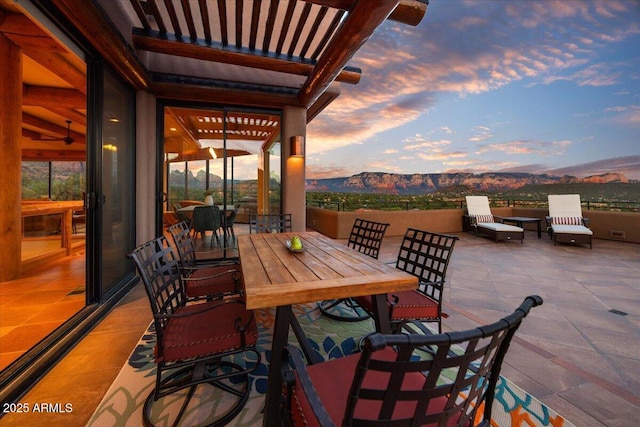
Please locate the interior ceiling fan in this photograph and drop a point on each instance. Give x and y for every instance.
(67, 139)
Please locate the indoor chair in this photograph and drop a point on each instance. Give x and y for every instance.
(204, 280)
(394, 382)
(196, 342)
(227, 225)
(565, 222)
(483, 221)
(365, 237)
(206, 218)
(425, 255)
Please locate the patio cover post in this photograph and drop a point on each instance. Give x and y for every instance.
(294, 121)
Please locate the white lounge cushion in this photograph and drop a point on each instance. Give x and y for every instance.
(571, 229)
(564, 205)
(497, 226)
(478, 205)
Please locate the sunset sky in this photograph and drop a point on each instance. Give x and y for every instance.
(524, 86)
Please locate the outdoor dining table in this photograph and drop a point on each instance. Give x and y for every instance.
(275, 276)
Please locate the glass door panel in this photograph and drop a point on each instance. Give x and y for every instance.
(117, 183)
(221, 152)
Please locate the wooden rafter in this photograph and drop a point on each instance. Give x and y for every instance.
(99, 32)
(204, 12)
(208, 124)
(58, 131)
(36, 155)
(361, 21)
(53, 97)
(197, 49)
(37, 44)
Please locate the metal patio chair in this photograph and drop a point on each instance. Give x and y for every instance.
(365, 237)
(394, 382)
(269, 223)
(426, 255)
(212, 280)
(195, 341)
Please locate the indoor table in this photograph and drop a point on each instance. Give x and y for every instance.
(275, 276)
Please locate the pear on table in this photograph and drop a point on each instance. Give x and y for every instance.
(296, 243)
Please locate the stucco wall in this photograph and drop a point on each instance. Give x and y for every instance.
(623, 226)
(338, 224)
(145, 167)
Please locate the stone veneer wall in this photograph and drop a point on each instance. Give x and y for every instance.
(337, 225)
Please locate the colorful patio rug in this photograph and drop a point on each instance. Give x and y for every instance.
(122, 404)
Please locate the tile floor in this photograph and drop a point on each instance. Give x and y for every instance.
(36, 304)
(573, 353)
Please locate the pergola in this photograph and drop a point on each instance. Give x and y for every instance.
(262, 53)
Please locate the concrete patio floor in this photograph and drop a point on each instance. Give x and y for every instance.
(573, 353)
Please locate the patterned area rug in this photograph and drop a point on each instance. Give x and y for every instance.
(122, 404)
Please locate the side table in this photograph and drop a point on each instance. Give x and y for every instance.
(520, 220)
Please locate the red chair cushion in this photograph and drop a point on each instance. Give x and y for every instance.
(414, 305)
(206, 333)
(411, 305)
(214, 286)
(332, 381)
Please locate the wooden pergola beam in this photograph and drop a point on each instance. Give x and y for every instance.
(361, 22)
(408, 12)
(34, 155)
(88, 19)
(170, 45)
(187, 92)
(37, 45)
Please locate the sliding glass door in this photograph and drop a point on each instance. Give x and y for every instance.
(222, 153)
(112, 197)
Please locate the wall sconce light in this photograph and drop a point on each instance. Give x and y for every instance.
(297, 146)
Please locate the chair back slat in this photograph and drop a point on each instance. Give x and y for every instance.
(270, 223)
(181, 235)
(366, 237)
(426, 255)
(445, 385)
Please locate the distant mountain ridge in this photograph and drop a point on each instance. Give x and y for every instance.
(391, 183)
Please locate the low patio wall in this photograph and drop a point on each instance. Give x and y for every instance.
(622, 226)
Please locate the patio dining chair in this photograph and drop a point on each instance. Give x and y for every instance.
(394, 382)
(483, 221)
(202, 343)
(565, 222)
(365, 237)
(269, 223)
(212, 280)
(425, 255)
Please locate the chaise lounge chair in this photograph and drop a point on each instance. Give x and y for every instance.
(565, 222)
(483, 221)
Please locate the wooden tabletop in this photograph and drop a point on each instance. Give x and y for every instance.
(327, 269)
